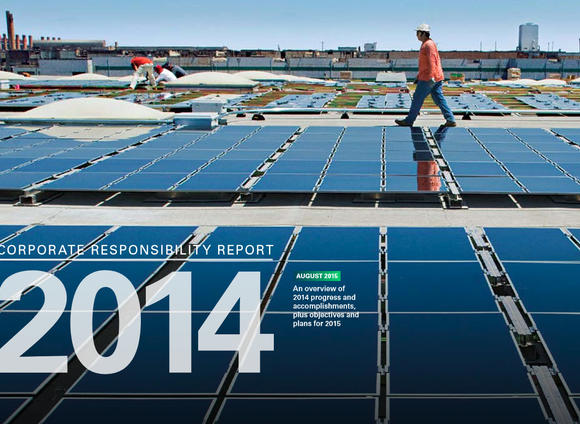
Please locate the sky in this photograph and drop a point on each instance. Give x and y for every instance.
(300, 24)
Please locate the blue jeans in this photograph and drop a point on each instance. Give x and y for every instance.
(424, 88)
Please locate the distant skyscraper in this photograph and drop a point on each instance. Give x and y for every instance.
(529, 37)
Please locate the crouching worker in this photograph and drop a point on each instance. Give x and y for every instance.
(142, 67)
(163, 75)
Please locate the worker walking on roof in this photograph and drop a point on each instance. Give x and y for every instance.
(163, 75)
(178, 71)
(429, 81)
(143, 67)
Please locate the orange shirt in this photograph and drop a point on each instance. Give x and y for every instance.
(430, 63)
(139, 60)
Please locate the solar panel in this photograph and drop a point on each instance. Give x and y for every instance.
(473, 411)
(533, 169)
(550, 185)
(259, 155)
(444, 354)
(232, 166)
(84, 180)
(20, 180)
(9, 163)
(421, 184)
(477, 169)
(213, 182)
(488, 185)
(549, 101)
(7, 230)
(562, 158)
(147, 181)
(300, 101)
(321, 358)
(297, 410)
(475, 156)
(350, 183)
(412, 168)
(562, 335)
(532, 244)
(8, 406)
(545, 287)
(321, 244)
(114, 165)
(428, 244)
(303, 167)
(146, 411)
(10, 131)
(52, 165)
(438, 287)
(286, 183)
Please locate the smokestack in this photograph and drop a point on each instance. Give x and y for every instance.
(24, 42)
(10, 25)
(17, 43)
(53, 38)
(30, 44)
(4, 44)
(42, 38)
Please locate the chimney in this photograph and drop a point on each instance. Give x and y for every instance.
(17, 43)
(42, 38)
(10, 25)
(30, 44)
(53, 38)
(4, 44)
(24, 42)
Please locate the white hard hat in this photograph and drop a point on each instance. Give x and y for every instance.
(424, 28)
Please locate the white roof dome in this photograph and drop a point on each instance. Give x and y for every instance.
(95, 108)
(11, 76)
(88, 77)
(212, 79)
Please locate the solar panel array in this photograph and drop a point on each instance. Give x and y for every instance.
(187, 104)
(236, 159)
(495, 160)
(32, 156)
(34, 101)
(429, 330)
(549, 101)
(72, 83)
(388, 101)
(301, 101)
(473, 102)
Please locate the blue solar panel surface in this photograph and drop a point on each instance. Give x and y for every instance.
(316, 354)
(454, 365)
(146, 411)
(459, 411)
(532, 244)
(291, 411)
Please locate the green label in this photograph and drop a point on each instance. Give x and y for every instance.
(318, 276)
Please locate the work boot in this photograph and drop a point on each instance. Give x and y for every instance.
(448, 124)
(403, 123)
